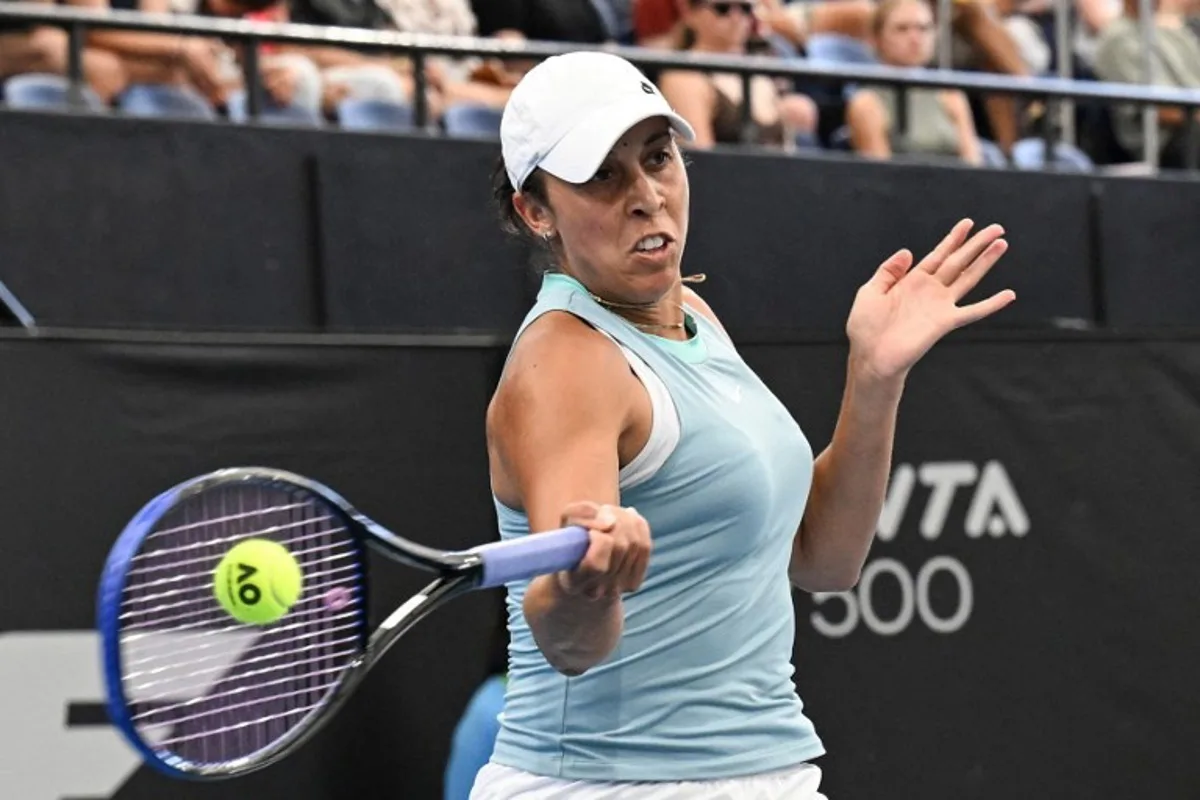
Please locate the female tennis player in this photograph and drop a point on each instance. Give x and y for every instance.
(660, 668)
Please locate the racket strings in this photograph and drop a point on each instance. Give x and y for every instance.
(203, 597)
(347, 642)
(241, 726)
(205, 546)
(299, 620)
(211, 690)
(189, 580)
(211, 640)
(169, 714)
(224, 519)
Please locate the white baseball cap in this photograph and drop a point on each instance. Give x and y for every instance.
(567, 113)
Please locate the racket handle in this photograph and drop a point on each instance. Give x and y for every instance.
(532, 555)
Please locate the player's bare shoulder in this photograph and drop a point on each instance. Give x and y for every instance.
(560, 366)
(566, 385)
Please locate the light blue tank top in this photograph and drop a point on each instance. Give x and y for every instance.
(700, 686)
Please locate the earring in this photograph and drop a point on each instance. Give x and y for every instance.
(548, 235)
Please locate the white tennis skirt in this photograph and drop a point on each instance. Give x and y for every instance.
(498, 782)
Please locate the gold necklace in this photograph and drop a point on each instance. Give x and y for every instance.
(647, 326)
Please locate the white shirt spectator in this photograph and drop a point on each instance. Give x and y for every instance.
(442, 17)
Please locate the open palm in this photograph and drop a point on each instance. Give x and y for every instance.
(903, 311)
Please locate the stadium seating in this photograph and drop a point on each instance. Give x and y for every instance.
(177, 102)
(271, 114)
(466, 120)
(374, 115)
(40, 91)
(1030, 154)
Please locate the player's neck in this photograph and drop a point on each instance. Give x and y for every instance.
(664, 317)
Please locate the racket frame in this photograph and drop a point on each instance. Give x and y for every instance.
(458, 574)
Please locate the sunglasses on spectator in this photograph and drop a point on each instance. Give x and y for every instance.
(722, 8)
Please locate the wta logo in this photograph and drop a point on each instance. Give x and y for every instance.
(994, 508)
(934, 491)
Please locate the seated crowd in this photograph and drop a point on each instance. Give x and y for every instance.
(204, 77)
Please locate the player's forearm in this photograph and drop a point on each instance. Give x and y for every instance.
(849, 485)
(573, 632)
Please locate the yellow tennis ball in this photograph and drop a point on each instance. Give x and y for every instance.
(258, 581)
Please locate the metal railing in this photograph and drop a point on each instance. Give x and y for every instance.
(417, 47)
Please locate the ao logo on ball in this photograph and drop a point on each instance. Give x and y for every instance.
(257, 582)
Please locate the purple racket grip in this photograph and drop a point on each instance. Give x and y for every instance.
(532, 555)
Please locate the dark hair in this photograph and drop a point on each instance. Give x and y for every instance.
(502, 195)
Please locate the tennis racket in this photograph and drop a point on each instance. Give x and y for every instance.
(202, 696)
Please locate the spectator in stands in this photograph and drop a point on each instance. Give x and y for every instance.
(467, 80)
(817, 22)
(583, 21)
(1032, 24)
(1175, 62)
(661, 23)
(153, 58)
(984, 43)
(318, 77)
(712, 104)
(981, 34)
(939, 123)
(1093, 18)
(38, 48)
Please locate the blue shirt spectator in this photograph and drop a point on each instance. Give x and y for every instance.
(474, 737)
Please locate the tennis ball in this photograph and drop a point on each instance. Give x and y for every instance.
(257, 582)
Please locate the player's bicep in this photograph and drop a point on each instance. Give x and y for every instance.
(557, 422)
(558, 464)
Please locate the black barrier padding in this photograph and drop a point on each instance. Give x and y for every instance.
(411, 241)
(187, 225)
(787, 243)
(137, 223)
(92, 431)
(1072, 675)
(1148, 245)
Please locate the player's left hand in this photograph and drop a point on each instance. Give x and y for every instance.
(902, 311)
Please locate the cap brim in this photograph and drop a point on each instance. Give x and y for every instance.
(583, 149)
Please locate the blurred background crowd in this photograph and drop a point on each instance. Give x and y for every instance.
(156, 74)
(135, 72)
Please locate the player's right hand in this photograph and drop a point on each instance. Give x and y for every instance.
(619, 553)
